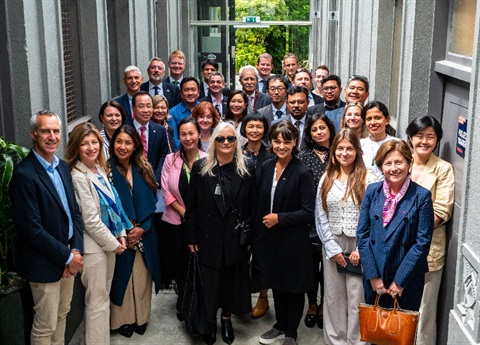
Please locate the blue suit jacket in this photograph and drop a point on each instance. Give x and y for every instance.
(396, 253)
(124, 102)
(42, 222)
(170, 91)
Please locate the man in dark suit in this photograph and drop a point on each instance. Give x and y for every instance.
(297, 103)
(264, 67)
(216, 93)
(50, 229)
(303, 78)
(277, 90)
(248, 77)
(332, 106)
(132, 78)
(208, 68)
(155, 85)
(153, 135)
(176, 65)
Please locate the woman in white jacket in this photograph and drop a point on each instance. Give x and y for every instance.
(105, 225)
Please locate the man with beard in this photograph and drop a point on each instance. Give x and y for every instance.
(156, 86)
(297, 103)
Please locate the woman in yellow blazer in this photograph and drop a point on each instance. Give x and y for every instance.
(436, 175)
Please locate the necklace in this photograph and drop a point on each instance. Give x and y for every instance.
(321, 155)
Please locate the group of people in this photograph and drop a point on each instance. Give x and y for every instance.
(281, 185)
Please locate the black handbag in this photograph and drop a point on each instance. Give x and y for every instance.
(191, 302)
(350, 268)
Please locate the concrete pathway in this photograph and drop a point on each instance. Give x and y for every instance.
(165, 329)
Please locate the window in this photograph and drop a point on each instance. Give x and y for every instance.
(462, 28)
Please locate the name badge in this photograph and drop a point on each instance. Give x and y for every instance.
(218, 189)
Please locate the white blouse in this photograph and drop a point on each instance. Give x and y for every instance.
(370, 149)
(342, 216)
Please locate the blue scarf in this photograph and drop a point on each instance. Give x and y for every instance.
(113, 215)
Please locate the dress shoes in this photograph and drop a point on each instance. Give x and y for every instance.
(228, 336)
(126, 331)
(139, 329)
(211, 337)
(311, 319)
(260, 308)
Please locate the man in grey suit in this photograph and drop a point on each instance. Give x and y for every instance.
(248, 76)
(277, 91)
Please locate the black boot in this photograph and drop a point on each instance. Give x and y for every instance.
(211, 337)
(227, 331)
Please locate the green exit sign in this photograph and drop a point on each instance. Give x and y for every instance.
(250, 19)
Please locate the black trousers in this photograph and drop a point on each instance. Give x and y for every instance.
(318, 273)
(288, 311)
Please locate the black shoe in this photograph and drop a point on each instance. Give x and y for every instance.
(126, 331)
(211, 337)
(320, 321)
(227, 331)
(139, 329)
(180, 317)
(311, 319)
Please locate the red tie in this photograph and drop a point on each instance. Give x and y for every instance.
(144, 140)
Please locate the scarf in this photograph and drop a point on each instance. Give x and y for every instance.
(112, 213)
(391, 201)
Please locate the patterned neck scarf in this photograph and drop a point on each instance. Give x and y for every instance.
(391, 201)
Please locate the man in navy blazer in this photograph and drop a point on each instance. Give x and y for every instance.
(154, 134)
(155, 85)
(132, 78)
(50, 229)
(216, 94)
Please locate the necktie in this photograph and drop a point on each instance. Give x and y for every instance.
(298, 123)
(279, 114)
(144, 140)
(156, 88)
(175, 82)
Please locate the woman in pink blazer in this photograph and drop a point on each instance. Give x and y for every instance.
(175, 180)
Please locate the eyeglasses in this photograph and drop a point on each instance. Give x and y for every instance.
(329, 88)
(278, 88)
(230, 139)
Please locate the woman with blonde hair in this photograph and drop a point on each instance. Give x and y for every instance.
(352, 118)
(220, 206)
(161, 116)
(340, 194)
(105, 225)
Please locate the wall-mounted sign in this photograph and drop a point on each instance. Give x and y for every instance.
(250, 19)
(461, 136)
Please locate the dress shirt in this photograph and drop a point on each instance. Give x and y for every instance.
(311, 101)
(251, 101)
(137, 127)
(283, 109)
(262, 85)
(151, 89)
(336, 106)
(300, 128)
(171, 80)
(218, 105)
(205, 88)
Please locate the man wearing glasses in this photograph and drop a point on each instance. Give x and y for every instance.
(277, 91)
(176, 64)
(332, 106)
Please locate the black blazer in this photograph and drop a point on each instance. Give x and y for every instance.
(124, 102)
(224, 103)
(317, 99)
(209, 225)
(42, 222)
(157, 148)
(282, 258)
(170, 91)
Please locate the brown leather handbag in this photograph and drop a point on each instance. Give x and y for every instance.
(387, 326)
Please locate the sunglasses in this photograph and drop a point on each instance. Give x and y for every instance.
(230, 139)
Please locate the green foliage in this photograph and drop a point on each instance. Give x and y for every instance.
(9, 155)
(276, 40)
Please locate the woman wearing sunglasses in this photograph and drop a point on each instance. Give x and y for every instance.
(282, 259)
(220, 206)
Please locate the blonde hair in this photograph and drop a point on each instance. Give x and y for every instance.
(211, 159)
(356, 182)
(75, 140)
(343, 122)
(156, 101)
